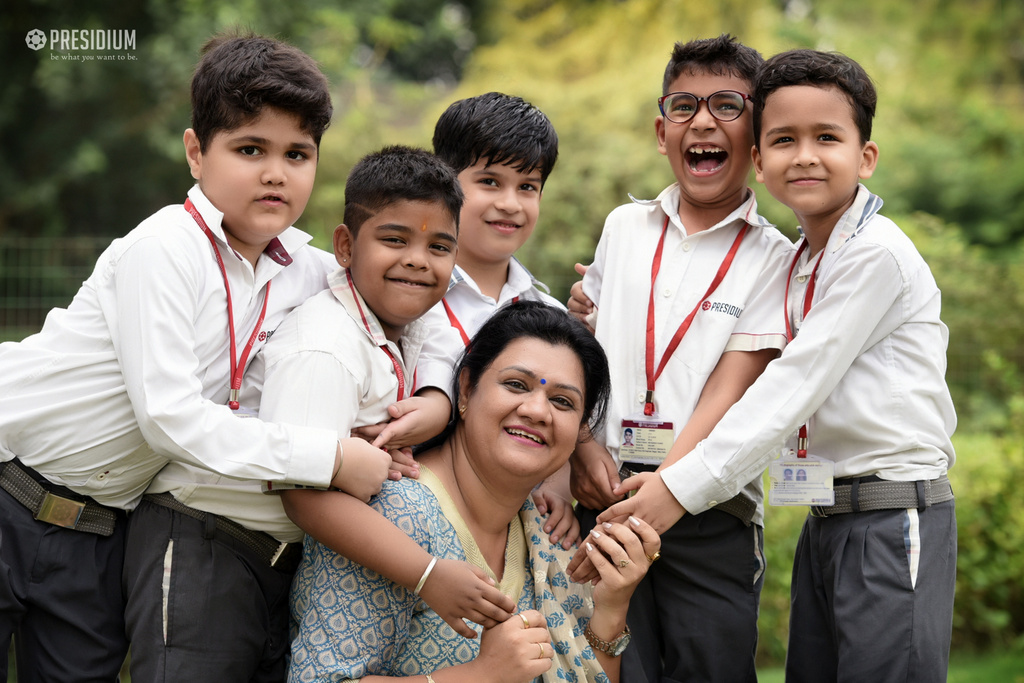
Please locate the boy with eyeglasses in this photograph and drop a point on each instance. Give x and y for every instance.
(685, 336)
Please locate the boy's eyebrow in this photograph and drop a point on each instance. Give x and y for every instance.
(263, 142)
(533, 176)
(788, 129)
(441, 234)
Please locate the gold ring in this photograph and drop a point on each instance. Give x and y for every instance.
(526, 622)
(655, 556)
(541, 655)
(623, 563)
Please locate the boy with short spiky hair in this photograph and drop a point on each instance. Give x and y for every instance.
(863, 382)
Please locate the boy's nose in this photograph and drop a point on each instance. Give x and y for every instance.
(702, 119)
(508, 200)
(273, 173)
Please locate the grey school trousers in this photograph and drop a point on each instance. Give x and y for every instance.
(693, 618)
(858, 613)
(225, 619)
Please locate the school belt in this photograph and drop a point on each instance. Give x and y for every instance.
(739, 506)
(55, 504)
(865, 494)
(279, 555)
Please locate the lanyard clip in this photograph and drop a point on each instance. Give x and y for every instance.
(233, 399)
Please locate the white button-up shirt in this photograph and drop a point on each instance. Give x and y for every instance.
(866, 371)
(324, 368)
(471, 308)
(744, 313)
(135, 372)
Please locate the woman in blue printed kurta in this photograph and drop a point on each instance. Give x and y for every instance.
(527, 387)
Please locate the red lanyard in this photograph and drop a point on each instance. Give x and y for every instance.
(237, 366)
(652, 375)
(366, 325)
(455, 321)
(801, 444)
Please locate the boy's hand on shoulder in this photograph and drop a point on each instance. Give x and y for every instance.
(579, 305)
(653, 502)
(457, 590)
(414, 420)
(561, 523)
(364, 468)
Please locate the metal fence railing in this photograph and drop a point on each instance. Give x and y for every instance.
(40, 273)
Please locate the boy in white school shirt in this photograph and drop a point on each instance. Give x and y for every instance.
(862, 384)
(140, 368)
(704, 271)
(503, 149)
(345, 356)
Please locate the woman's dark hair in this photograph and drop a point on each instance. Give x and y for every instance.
(534, 320)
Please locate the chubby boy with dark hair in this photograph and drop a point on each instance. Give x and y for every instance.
(148, 366)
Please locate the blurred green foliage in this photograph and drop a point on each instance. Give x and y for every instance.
(94, 148)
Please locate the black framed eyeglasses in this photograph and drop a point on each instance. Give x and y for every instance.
(724, 105)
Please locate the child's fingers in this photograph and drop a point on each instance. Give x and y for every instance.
(632, 483)
(369, 432)
(619, 512)
(581, 269)
(581, 569)
(460, 627)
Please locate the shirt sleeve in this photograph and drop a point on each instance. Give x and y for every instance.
(310, 389)
(351, 621)
(858, 307)
(594, 278)
(441, 350)
(155, 305)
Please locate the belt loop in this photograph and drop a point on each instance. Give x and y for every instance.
(211, 526)
(922, 497)
(855, 495)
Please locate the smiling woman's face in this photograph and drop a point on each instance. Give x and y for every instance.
(523, 418)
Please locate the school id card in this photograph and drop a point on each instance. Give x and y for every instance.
(801, 481)
(645, 439)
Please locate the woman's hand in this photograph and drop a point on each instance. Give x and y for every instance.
(458, 590)
(621, 554)
(516, 651)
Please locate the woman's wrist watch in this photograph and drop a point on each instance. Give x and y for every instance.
(614, 647)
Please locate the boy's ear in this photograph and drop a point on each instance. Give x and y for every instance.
(343, 240)
(868, 161)
(193, 153)
(659, 131)
(755, 154)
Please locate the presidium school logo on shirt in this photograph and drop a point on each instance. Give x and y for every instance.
(721, 307)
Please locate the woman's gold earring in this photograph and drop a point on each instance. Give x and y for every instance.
(462, 410)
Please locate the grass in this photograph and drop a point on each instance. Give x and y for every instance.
(996, 667)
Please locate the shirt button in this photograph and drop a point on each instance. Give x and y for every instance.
(667, 293)
(801, 278)
(712, 503)
(640, 396)
(102, 475)
(686, 246)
